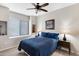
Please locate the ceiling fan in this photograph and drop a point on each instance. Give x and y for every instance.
(38, 7)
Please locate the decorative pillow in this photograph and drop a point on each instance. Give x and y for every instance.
(44, 34)
(48, 35)
(53, 35)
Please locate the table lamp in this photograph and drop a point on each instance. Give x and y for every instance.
(64, 38)
(64, 32)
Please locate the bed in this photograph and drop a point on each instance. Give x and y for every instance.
(41, 45)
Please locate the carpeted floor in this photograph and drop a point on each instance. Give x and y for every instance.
(15, 52)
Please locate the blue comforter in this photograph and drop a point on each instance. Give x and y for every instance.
(39, 46)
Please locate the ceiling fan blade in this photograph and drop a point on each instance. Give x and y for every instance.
(44, 10)
(44, 4)
(31, 8)
(33, 4)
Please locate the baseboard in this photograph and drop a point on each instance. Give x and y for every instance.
(7, 48)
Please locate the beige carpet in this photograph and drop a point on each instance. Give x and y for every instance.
(15, 52)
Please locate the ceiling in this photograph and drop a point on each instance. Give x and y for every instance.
(22, 7)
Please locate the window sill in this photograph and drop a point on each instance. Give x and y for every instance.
(21, 36)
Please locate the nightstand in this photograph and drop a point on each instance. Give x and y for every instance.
(65, 44)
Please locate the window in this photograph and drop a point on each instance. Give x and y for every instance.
(13, 26)
(18, 26)
(24, 28)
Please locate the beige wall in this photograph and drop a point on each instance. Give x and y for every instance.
(6, 41)
(66, 20)
(4, 13)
